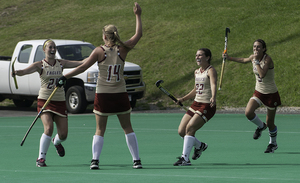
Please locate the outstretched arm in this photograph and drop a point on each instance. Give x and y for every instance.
(88, 62)
(30, 69)
(240, 60)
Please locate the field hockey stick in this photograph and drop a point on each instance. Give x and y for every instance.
(225, 51)
(44, 106)
(158, 84)
(13, 71)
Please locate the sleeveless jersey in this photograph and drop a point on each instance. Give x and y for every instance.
(267, 84)
(202, 84)
(49, 76)
(110, 76)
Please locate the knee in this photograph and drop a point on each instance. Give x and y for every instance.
(48, 131)
(63, 136)
(249, 114)
(190, 131)
(181, 133)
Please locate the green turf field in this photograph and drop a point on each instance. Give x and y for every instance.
(232, 154)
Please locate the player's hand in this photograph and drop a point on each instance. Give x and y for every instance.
(225, 55)
(137, 9)
(212, 102)
(61, 81)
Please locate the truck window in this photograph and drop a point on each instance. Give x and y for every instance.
(75, 52)
(25, 53)
(39, 54)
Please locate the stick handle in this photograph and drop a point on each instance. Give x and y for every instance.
(44, 106)
(171, 96)
(13, 70)
(222, 71)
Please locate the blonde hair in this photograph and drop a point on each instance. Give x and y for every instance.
(112, 36)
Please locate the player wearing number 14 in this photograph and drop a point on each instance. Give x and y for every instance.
(111, 97)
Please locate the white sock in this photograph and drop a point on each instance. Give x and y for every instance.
(188, 144)
(197, 143)
(44, 145)
(273, 136)
(97, 146)
(257, 121)
(57, 141)
(132, 144)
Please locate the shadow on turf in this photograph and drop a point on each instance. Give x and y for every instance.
(287, 152)
(193, 166)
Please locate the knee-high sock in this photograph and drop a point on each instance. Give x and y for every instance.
(44, 145)
(188, 144)
(257, 121)
(273, 136)
(132, 144)
(57, 141)
(197, 143)
(97, 146)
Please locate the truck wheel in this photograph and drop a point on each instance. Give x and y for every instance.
(132, 103)
(23, 103)
(75, 100)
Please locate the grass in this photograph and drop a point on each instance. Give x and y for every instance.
(172, 33)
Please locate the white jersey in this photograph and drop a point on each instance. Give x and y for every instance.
(202, 84)
(111, 72)
(267, 84)
(49, 76)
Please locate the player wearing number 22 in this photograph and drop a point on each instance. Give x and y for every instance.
(111, 97)
(50, 69)
(265, 92)
(202, 109)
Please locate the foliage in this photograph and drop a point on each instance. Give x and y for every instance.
(172, 33)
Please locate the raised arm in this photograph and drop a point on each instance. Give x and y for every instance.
(138, 28)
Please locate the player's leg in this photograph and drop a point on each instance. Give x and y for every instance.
(182, 126)
(252, 105)
(45, 139)
(98, 140)
(62, 133)
(131, 139)
(272, 131)
(195, 123)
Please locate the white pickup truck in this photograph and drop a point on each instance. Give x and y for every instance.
(80, 89)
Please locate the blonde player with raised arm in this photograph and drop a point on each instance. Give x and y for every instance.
(111, 97)
(202, 109)
(266, 92)
(50, 69)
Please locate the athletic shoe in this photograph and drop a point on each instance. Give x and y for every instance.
(137, 164)
(271, 148)
(258, 132)
(59, 149)
(198, 152)
(182, 162)
(40, 162)
(94, 164)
